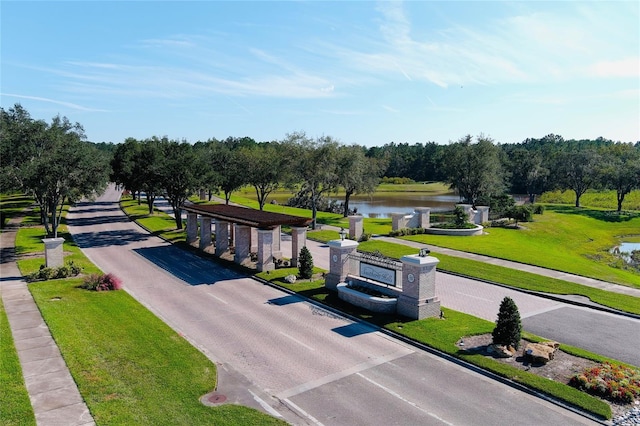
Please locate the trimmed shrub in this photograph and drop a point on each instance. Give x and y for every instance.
(508, 330)
(305, 263)
(538, 209)
(45, 274)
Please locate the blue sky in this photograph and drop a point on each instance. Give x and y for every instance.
(362, 72)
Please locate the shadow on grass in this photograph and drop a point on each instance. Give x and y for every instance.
(602, 215)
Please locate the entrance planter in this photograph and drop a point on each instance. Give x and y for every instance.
(385, 305)
(459, 232)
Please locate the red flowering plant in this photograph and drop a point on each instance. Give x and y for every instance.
(617, 383)
(102, 282)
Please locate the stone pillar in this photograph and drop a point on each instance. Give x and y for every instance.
(418, 299)
(254, 240)
(222, 237)
(355, 227)
(242, 234)
(298, 240)
(277, 251)
(265, 250)
(398, 221)
(205, 232)
(424, 217)
(53, 252)
(482, 216)
(339, 262)
(192, 227)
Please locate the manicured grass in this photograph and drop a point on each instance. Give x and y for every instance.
(563, 238)
(15, 406)
(159, 223)
(444, 334)
(29, 241)
(507, 276)
(131, 367)
(595, 199)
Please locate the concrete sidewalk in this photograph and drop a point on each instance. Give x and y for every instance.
(54, 395)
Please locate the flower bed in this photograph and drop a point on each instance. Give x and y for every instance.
(614, 382)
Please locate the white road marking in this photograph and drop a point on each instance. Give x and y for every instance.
(297, 341)
(344, 373)
(475, 297)
(264, 405)
(218, 299)
(304, 413)
(400, 397)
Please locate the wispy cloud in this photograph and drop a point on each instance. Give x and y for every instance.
(53, 101)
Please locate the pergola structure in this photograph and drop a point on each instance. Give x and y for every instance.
(253, 230)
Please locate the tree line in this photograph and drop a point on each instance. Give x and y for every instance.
(482, 168)
(54, 163)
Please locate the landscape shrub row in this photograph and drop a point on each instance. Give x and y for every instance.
(47, 273)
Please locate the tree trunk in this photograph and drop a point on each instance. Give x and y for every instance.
(178, 217)
(347, 196)
(577, 199)
(620, 198)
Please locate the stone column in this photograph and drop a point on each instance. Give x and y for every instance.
(205, 232)
(265, 250)
(192, 227)
(222, 237)
(397, 221)
(339, 262)
(298, 240)
(254, 240)
(418, 299)
(277, 251)
(355, 227)
(53, 252)
(482, 216)
(242, 235)
(424, 216)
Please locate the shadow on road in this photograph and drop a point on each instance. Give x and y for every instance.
(191, 269)
(353, 330)
(89, 221)
(108, 238)
(284, 300)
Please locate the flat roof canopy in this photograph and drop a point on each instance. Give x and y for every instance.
(246, 216)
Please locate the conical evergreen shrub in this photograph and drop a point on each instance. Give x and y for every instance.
(508, 330)
(305, 263)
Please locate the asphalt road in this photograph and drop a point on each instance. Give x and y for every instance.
(294, 359)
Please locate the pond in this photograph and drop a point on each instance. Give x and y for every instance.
(624, 250)
(381, 205)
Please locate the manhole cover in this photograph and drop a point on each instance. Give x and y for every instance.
(212, 399)
(55, 299)
(217, 399)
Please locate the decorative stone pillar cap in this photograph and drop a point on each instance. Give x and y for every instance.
(355, 216)
(396, 214)
(422, 209)
(52, 241)
(482, 208)
(343, 243)
(419, 260)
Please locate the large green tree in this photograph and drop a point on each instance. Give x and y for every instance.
(357, 173)
(578, 169)
(474, 169)
(314, 167)
(53, 163)
(179, 175)
(267, 164)
(621, 170)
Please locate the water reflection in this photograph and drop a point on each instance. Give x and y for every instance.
(383, 204)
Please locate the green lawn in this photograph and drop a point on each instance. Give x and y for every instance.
(563, 238)
(594, 199)
(15, 406)
(444, 334)
(130, 366)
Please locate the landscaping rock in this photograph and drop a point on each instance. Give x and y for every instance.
(501, 351)
(291, 279)
(540, 352)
